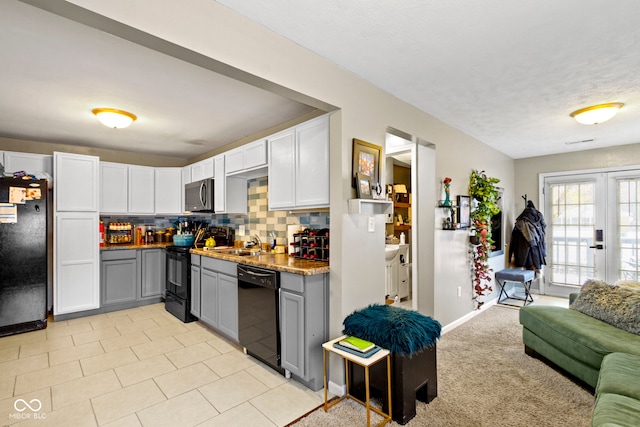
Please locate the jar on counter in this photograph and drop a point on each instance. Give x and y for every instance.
(159, 237)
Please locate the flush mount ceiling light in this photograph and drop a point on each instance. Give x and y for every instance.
(112, 118)
(596, 113)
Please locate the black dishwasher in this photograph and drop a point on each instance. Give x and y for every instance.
(258, 314)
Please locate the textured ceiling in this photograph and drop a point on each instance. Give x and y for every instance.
(508, 73)
(55, 71)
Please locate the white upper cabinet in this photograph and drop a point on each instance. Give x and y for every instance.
(230, 192)
(234, 160)
(219, 185)
(255, 155)
(168, 191)
(299, 166)
(202, 169)
(282, 172)
(186, 175)
(77, 179)
(247, 158)
(312, 163)
(30, 163)
(113, 187)
(141, 195)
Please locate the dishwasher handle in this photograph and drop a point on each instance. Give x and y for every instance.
(257, 277)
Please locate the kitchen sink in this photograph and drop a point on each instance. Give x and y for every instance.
(390, 251)
(242, 252)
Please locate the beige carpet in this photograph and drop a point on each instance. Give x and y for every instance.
(484, 379)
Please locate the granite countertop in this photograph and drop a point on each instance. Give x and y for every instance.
(108, 247)
(281, 262)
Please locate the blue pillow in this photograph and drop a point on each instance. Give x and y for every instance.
(399, 330)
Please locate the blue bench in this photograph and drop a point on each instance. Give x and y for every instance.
(519, 276)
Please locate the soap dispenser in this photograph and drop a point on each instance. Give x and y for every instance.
(402, 241)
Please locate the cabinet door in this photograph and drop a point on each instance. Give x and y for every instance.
(282, 170)
(292, 325)
(219, 185)
(119, 281)
(76, 259)
(76, 182)
(113, 187)
(30, 163)
(255, 154)
(228, 305)
(186, 175)
(312, 163)
(209, 297)
(168, 191)
(153, 273)
(234, 160)
(141, 190)
(195, 291)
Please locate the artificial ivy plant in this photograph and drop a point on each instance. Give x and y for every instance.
(485, 193)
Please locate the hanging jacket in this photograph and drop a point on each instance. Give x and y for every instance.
(527, 245)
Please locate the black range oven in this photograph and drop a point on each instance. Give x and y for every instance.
(178, 296)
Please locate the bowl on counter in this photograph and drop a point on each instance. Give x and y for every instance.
(183, 239)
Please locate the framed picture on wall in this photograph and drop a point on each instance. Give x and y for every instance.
(363, 186)
(366, 160)
(464, 211)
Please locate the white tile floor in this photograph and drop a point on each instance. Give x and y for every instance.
(140, 367)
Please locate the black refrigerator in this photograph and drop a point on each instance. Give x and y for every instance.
(24, 255)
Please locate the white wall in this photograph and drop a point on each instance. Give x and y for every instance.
(365, 112)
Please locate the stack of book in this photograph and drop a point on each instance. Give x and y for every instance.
(357, 346)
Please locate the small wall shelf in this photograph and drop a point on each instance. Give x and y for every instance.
(370, 207)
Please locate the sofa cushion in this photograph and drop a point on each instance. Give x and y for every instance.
(615, 305)
(629, 284)
(620, 374)
(615, 410)
(581, 337)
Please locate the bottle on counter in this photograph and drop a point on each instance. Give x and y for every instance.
(402, 238)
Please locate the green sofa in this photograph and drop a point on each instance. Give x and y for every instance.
(578, 344)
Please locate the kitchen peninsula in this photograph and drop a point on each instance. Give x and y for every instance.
(280, 262)
(301, 313)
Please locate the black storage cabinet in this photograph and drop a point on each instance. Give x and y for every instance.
(412, 378)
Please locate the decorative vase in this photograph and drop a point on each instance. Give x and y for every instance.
(447, 196)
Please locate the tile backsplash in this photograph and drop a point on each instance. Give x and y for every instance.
(259, 219)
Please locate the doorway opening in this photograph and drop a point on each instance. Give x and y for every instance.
(409, 177)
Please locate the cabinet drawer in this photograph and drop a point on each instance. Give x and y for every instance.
(118, 254)
(226, 267)
(195, 260)
(292, 282)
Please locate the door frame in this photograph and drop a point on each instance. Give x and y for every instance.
(542, 201)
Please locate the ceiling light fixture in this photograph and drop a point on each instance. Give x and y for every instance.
(112, 118)
(596, 113)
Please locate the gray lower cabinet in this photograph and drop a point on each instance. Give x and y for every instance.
(209, 297)
(228, 305)
(153, 272)
(119, 276)
(214, 294)
(131, 277)
(304, 326)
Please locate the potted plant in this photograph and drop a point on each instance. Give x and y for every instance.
(483, 190)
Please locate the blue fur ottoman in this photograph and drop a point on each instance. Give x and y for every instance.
(411, 338)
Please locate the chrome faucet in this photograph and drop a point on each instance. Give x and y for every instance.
(255, 241)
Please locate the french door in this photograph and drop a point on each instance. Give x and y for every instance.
(593, 229)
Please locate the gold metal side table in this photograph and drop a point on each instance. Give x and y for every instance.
(365, 362)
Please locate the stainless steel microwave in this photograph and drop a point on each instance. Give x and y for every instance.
(198, 196)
